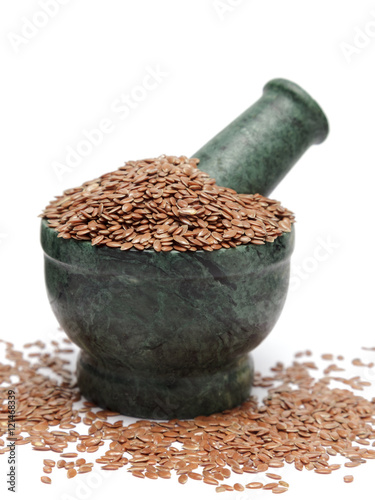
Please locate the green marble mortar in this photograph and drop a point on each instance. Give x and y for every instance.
(167, 335)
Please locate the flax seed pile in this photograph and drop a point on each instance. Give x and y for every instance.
(302, 422)
(165, 204)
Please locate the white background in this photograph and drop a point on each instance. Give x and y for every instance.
(215, 57)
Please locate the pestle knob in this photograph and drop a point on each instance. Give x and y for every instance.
(254, 152)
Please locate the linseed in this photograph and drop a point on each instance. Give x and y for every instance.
(165, 204)
(195, 475)
(228, 487)
(183, 478)
(270, 486)
(302, 421)
(254, 485)
(49, 463)
(164, 474)
(279, 489)
(273, 476)
(151, 475)
(211, 480)
(84, 469)
(71, 473)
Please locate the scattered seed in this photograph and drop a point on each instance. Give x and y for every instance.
(183, 478)
(151, 475)
(164, 474)
(273, 476)
(270, 486)
(71, 473)
(46, 480)
(275, 463)
(49, 463)
(254, 485)
(227, 487)
(84, 469)
(328, 357)
(195, 475)
(348, 479)
(138, 474)
(279, 489)
(248, 439)
(210, 480)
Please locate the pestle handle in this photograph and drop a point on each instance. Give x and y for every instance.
(254, 152)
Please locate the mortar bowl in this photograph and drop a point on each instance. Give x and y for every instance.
(166, 335)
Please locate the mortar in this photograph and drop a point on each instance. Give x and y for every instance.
(167, 335)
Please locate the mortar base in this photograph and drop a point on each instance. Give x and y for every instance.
(166, 397)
